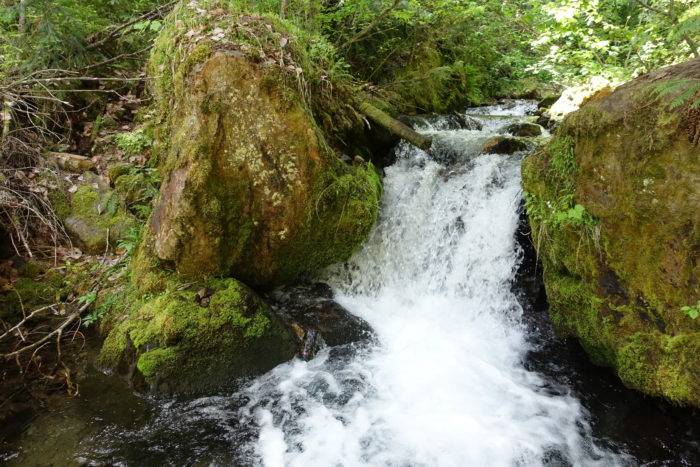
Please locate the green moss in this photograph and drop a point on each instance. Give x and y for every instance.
(182, 346)
(26, 294)
(157, 361)
(115, 171)
(96, 218)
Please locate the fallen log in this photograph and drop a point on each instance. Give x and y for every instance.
(395, 127)
(70, 162)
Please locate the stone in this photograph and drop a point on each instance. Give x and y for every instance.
(613, 202)
(503, 145)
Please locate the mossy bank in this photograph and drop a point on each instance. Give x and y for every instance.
(613, 205)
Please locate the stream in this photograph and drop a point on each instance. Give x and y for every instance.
(463, 369)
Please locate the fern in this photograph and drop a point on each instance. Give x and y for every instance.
(680, 91)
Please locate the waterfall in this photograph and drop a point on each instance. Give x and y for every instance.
(444, 382)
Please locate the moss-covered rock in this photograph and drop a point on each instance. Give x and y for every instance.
(251, 187)
(96, 217)
(196, 341)
(613, 205)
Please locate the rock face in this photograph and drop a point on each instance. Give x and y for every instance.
(251, 188)
(311, 306)
(613, 205)
(196, 341)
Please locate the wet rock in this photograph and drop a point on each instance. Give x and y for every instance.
(547, 102)
(524, 129)
(545, 121)
(451, 121)
(503, 145)
(311, 309)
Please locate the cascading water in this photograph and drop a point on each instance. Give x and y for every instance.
(444, 383)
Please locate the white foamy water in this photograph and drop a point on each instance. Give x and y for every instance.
(444, 383)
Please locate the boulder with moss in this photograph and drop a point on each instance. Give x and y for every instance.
(96, 219)
(613, 205)
(195, 340)
(251, 186)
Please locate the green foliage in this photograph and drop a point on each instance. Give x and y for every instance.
(679, 92)
(691, 312)
(614, 38)
(133, 143)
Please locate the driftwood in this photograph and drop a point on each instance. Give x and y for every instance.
(395, 127)
(71, 162)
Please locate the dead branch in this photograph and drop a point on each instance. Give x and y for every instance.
(71, 162)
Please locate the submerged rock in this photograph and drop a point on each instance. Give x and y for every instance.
(185, 341)
(503, 145)
(524, 129)
(250, 187)
(613, 205)
(310, 308)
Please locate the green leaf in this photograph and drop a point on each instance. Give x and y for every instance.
(88, 298)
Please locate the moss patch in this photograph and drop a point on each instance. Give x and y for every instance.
(182, 346)
(96, 218)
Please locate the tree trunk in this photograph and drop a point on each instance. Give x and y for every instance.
(22, 23)
(395, 127)
(283, 9)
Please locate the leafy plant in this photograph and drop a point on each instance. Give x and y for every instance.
(133, 143)
(88, 298)
(691, 312)
(100, 311)
(130, 241)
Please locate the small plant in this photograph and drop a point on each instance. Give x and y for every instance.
(130, 240)
(691, 312)
(87, 299)
(133, 143)
(100, 311)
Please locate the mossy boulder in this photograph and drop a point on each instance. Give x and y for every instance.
(524, 129)
(613, 205)
(503, 145)
(96, 219)
(195, 340)
(251, 187)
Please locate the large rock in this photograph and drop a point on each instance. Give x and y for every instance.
(250, 187)
(613, 203)
(195, 340)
